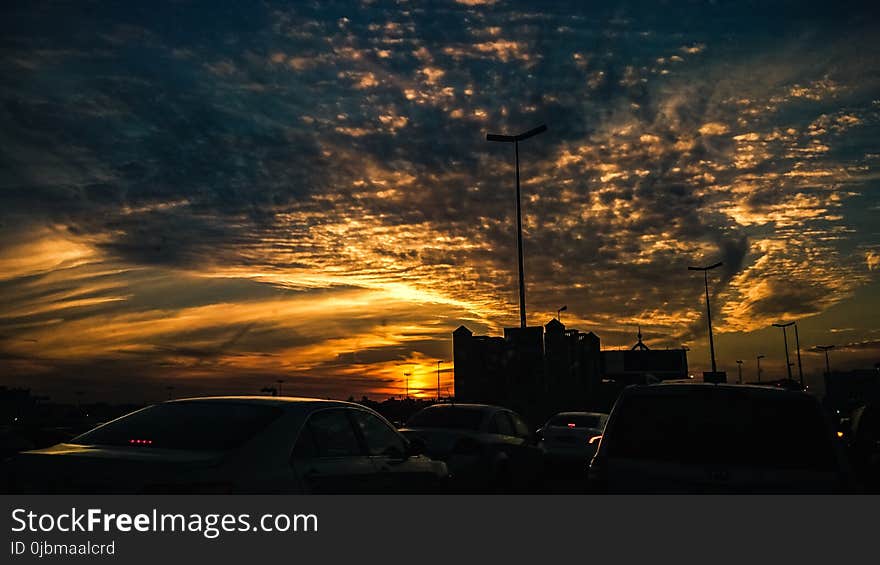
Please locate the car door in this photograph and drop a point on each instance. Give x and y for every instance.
(397, 471)
(528, 450)
(329, 458)
(501, 433)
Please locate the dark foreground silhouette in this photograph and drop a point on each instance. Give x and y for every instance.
(661, 438)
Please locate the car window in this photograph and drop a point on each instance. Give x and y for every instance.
(327, 433)
(730, 428)
(520, 427)
(208, 425)
(452, 417)
(576, 421)
(381, 439)
(500, 424)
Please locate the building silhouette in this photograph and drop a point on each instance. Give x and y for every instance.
(539, 371)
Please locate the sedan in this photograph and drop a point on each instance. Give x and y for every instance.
(569, 439)
(233, 444)
(487, 448)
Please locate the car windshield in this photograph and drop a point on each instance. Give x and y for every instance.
(576, 421)
(455, 417)
(209, 426)
(736, 428)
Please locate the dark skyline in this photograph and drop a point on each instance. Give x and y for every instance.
(213, 198)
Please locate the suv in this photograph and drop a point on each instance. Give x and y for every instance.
(696, 438)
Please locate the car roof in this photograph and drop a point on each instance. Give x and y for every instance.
(280, 401)
(484, 407)
(664, 388)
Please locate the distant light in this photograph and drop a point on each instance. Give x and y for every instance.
(839, 434)
(594, 439)
(140, 441)
(571, 425)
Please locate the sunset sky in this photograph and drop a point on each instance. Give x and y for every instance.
(214, 198)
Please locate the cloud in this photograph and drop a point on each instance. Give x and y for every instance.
(165, 188)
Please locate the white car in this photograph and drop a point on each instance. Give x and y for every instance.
(717, 438)
(571, 438)
(233, 444)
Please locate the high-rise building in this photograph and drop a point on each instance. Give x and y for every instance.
(542, 370)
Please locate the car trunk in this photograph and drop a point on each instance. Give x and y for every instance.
(67, 468)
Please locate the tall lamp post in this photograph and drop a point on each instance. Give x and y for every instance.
(708, 308)
(559, 312)
(758, 359)
(797, 345)
(826, 349)
(515, 139)
(438, 381)
(785, 341)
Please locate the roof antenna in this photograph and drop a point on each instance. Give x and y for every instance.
(639, 345)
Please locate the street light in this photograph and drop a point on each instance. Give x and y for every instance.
(708, 308)
(515, 139)
(797, 345)
(438, 381)
(758, 358)
(785, 341)
(826, 349)
(560, 311)
(740, 367)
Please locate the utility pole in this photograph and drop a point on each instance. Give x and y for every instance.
(740, 367)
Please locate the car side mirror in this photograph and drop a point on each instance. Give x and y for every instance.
(416, 447)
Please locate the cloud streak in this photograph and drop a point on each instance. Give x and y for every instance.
(307, 191)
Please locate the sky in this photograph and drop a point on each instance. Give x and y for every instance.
(216, 196)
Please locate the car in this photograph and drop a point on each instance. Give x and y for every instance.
(569, 439)
(718, 438)
(864, 445)
(486, 448)
(238, 444)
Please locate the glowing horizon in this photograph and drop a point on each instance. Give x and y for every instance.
(308, 195)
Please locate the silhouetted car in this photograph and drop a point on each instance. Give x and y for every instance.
(233, 444)
(571, 438)
(695, 438)
(486, 448)
(864, 445)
